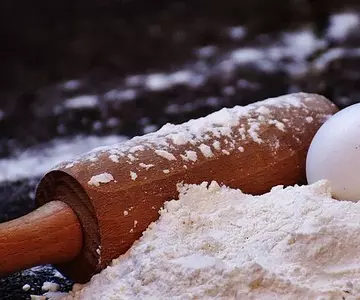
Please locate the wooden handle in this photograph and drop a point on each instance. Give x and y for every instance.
(50, 234)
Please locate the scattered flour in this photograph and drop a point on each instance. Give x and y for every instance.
(54, 295)
(189, 155)
(131, 157)
(309, 119)
(146, 166)
(322, 62)
(160, 81)
(289, 52)
(71, 85)
(50, 287)
(206, 52)
(165, 154)
(279, 125)
(58, 274)
(133, 175)
(225, 152)
(136, 148)
(206, 150)
(120, 95)
(263, 110)
(85, 101)
(237, 32)
(114, 158)
(38, 160)
(150, 128)
(219, 243)
(26, 287)
(217, 145)
(37, 297)
(96, 180)
(253, 131)
(342, 24)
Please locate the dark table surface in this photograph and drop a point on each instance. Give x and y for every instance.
(79, 74)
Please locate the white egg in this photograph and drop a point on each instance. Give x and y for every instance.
(334, 154)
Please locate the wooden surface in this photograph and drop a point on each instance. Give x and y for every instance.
(50, 234)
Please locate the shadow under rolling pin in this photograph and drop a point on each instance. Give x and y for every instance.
(92, 209)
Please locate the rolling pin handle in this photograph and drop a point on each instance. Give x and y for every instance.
(49, 235)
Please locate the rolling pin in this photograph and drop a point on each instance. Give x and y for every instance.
(93, 208)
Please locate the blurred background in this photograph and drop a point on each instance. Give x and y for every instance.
(75, 75)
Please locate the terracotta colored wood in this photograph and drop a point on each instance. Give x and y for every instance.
(50, 234)
(113, 215)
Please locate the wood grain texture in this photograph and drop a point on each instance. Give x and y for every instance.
(113, 215)
(50, 234)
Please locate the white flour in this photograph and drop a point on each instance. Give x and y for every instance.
(100, 178)
(218, 243)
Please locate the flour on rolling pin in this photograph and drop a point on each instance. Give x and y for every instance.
(101, 178)
(118, 191)
(195, 133)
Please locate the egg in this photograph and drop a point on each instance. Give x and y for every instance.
(334, 154)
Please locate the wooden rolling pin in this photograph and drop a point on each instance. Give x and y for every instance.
(93, 208)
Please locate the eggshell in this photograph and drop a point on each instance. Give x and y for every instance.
(334, 154)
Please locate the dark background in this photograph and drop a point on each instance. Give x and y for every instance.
(44, 44)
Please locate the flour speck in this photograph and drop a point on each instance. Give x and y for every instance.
(96, 180)
(165, 154)
(206, 150)
(133, 175)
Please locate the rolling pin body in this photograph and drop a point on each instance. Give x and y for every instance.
(116, 192)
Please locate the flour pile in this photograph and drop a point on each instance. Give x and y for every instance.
(219, 243)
